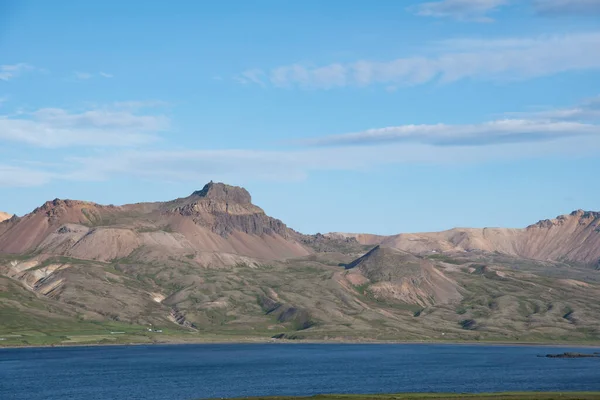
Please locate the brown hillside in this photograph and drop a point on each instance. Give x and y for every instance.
(217, 219)
(401, 276)
(574, 237)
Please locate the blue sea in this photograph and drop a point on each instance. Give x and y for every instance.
(238, 370)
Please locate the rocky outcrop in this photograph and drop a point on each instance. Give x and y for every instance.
(326, 244)
(225, 209)
(298, 318)
(178, 317)
(573, 355)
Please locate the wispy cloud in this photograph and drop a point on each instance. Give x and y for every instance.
(489, 133)
(139, 104)
(55, 127)
(588, 110)
(251, 76)
(11, 71)
(495, 59)
(462, 10)
(298, 164)
(523, 127)
(14, 176)
(549, 133)
(82, 76)
(567, 7)
(178, 165)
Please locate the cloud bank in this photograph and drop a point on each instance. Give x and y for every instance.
(462, 10)
(567, 7)
(55, 127)
(495, 59)
(11, 71)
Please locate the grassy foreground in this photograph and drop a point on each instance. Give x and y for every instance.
(441, 396)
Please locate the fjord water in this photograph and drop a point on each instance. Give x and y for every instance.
(237, 370)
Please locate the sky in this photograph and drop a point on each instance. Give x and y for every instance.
(380, 116)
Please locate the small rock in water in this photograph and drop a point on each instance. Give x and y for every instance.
(573, 355)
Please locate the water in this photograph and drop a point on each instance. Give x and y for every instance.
(236, 370)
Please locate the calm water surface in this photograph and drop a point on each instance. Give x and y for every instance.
(236, 370)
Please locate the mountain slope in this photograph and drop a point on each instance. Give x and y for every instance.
(219, 219)
(574, 237)
(213, 266)
(397, 275)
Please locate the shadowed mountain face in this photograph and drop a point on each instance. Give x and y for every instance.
(214, 265)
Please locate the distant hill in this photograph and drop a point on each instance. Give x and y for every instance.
(574, 237)
(401, 276)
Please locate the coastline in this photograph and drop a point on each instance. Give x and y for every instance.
(314, 342)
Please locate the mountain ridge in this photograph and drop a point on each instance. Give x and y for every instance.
(214, 265)
(573, 237)
(228, 211)
(218, 218)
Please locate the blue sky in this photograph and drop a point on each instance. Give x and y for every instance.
(357, 116)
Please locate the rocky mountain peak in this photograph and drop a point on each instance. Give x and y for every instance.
(584, 218)
(222, 192)
(585, 214)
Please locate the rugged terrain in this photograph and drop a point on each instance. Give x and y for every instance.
(213, 266)
(574, 238)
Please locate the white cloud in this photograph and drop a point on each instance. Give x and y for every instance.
(294, 165)
(10, 71)
(588, 110)
(495, 59)
(567, 7)
(462, 10)
(524, 127)
(82, 76)
(489, 133)
(549, 133)
(54, 127)
(139, 105)
(250, 76)
(13, 176)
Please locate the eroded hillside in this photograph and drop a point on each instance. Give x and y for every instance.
(214, 266)
(574, 237)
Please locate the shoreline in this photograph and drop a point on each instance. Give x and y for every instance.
(314, 342)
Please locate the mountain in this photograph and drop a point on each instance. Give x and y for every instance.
(4, 216)
(574, 237)
(214, 266)
(213, 225)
